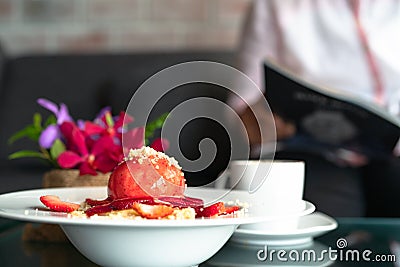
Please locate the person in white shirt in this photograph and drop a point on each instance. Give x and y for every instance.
(349, 45)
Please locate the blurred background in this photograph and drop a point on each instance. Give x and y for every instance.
(53, 26)
(90, 54)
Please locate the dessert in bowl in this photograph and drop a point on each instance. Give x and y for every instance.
(136, 235)
(109, 241)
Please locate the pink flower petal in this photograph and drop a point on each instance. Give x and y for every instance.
(160, 144)
(103, 145)
(115, 153)
(86, 168)
(93, 128)
(104, 164)
(75, 138)
(133, 138)
(123, 120)
(68, 159)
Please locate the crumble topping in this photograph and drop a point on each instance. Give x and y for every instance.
(148, 152)
(132, 214)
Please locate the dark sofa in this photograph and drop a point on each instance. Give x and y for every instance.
(87, 83)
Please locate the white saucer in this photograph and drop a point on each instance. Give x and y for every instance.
(308, 227)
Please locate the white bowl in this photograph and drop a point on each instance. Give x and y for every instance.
(149, 245)
(130, 242)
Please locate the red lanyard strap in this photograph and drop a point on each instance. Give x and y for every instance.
(373, 67)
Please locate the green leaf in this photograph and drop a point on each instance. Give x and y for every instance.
(154, 125)
(50, 120)
(57, 148)
(29, 131)
(37, 121)
(109, 119)
(26, 154)
(33, 133)
(18, 135)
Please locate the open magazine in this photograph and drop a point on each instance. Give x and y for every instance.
(328, 120)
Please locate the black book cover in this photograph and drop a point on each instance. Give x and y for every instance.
(328, 119)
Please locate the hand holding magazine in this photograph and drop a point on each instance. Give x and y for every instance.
(328, 121)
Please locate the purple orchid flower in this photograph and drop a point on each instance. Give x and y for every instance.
(52, 132)
(81, 124)
(101, 113)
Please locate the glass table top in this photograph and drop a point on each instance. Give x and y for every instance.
(356, 242)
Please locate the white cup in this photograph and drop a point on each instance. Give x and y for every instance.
(275, 189)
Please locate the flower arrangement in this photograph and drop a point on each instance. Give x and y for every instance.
(90, 146)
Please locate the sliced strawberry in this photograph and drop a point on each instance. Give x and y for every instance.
(231, 209)
(182, 201)
(99, 209)
(153, 211)
(211, 211)
(127, 203)
(54, 203)
(119, 204)
(95, 202)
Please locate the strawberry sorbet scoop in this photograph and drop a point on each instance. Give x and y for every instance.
(146, 172)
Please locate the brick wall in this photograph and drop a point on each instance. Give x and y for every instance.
(53, 26)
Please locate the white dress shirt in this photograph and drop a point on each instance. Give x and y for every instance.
(349, 45)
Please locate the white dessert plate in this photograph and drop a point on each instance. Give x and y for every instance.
(26, 206)
(123, 242)
(307, 228)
